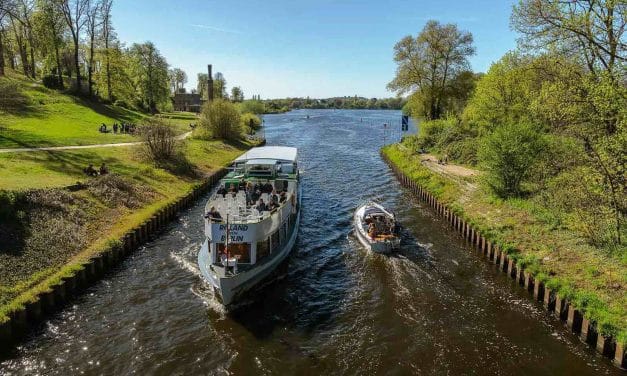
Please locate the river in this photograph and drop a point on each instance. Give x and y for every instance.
(436, 307)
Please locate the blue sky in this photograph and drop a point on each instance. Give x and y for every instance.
(317, 48)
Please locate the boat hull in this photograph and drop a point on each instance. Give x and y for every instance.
(383, 247)
(230, 289)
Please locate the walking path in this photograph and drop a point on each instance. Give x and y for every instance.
(53, 148)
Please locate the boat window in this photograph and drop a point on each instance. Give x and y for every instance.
(275, 241)
(240, 251)
(263, 249)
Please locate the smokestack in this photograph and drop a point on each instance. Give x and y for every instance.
(209, 84)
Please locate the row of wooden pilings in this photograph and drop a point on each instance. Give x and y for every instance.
(552, 301)
(23, 321)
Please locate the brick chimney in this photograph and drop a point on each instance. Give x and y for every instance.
(209, 84)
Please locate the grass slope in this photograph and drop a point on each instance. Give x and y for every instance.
(593, 280)
(48, 117)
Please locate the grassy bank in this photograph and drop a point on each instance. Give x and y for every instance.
(47, 231)
(32, 115)
(591, 278)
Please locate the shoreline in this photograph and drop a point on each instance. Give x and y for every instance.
(47, 292)
(509, 261)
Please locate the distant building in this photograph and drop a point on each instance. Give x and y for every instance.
(192, 102)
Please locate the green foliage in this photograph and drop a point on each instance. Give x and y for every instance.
(284, 105)
(149, 71)
(221, 119)
(11, 97)
(508, 156)
(253, 106)
(250, 122)
(434, 66)
(159, 138)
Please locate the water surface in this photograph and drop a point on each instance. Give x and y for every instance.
(434, 308)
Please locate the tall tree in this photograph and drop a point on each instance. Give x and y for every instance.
(429, 62)
(592, 29)
(75, 14)
(107, 36)
(51, 27)
(3, 15)
(219, 86)
(201, 86)
(237, 95)
(92, 22)
(150, 73)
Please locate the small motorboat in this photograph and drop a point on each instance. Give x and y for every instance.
(376, 228)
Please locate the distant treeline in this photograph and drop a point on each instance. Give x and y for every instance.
(287, 104)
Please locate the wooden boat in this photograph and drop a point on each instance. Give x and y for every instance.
(376, 228)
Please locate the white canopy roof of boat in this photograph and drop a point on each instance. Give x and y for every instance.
(280, 153)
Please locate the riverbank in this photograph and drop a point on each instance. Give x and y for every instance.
(54, 219)
(588, 279)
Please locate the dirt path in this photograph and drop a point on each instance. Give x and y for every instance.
(53, 148)
(465, 177)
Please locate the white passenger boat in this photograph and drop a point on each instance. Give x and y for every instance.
(244, 241)
(376, 228)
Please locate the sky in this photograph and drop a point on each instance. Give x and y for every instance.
(317, 48)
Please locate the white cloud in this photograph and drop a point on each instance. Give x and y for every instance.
(218, 29)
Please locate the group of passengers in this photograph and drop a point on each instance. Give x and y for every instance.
(380, 226)
(253, 197)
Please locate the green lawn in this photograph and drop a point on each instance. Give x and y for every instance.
(50, 118)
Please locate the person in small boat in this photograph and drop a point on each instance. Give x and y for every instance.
(261, 206)
(213, 214)
(372, 230)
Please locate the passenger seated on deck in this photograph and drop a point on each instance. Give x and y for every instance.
(267, 188)
(273, 197)
(213, 214)
(221, 191)
(233, 190)
(283, 197)
(261, 207)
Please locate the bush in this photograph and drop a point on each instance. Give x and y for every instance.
(221, 119)
(52, 81)
(508, 156)
(159, 139)
(251, 122)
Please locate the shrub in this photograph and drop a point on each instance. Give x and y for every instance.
(253, 106)
(121, 103)
(222, 119)
(160, 141)
(250, 122)
(51, 81)
(508, 156)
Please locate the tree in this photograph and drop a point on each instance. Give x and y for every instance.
(93, 22)
(508, 156)
(237, 95)
(219, 86)
(74, 12)
(107, 36)
(3, 15)
(50, 27)
(221, 119)
(428, 63)
(150, 74)
(592, 29)
(201, 86)
(177, 78)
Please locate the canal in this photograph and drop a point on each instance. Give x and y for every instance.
(433, 308)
